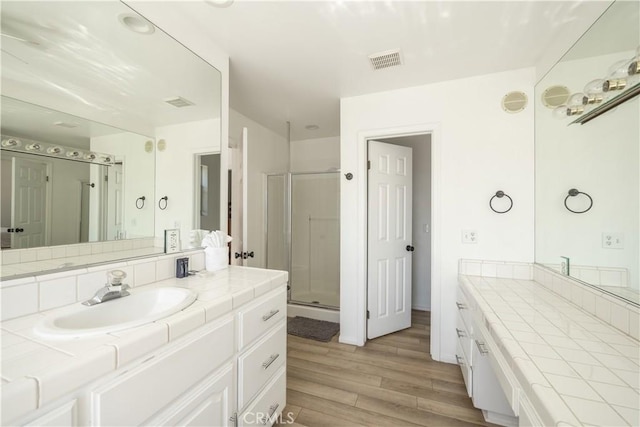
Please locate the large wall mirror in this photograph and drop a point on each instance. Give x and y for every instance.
(92, 95)
(587, 136)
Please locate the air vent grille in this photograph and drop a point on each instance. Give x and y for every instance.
(66, 125)
(178, 102)
(390, 58)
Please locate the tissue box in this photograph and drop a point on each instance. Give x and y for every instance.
(216, 258)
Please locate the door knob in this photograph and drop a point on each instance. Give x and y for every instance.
(19, 230)
(250, 254)
(237, 255)
(410, 248)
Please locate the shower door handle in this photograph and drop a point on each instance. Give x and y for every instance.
(410, 248)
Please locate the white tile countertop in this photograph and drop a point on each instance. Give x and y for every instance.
(37, 370)
(574, 368)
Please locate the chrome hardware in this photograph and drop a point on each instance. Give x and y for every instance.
(270, 315)
(272, 410)
(461, 306)
(269, 361)
(460, 333)
(234, 419)
(482, 347)
(112, 290)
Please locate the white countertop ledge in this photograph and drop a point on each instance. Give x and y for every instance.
(38, 370)
(574, 368)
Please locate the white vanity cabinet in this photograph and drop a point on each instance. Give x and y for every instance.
(476, 359)
(141, 393)
(261, 364)
(227, 371)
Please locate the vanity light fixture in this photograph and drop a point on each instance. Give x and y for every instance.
(614, 84)
(54, 150)
(136, 23)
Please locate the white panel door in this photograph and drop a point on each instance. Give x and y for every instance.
(239, 198)
(29, 203)
(389, 238)
(115, 209)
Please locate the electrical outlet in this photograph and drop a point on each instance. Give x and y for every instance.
(469, 236)
(613, 240)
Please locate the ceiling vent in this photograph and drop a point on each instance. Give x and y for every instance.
(178, 102)
(390, 58)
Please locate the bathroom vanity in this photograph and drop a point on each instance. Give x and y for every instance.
(220, 361)
(527, 352)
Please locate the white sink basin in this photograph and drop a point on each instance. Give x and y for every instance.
(140, 307)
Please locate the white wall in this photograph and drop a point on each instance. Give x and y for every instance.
(599, 158)
(421, 216)
(315, 155)
(139, 180)
(268, 152)
(175, 174)
(477, 149)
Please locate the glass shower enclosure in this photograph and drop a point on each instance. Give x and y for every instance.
(303, 235)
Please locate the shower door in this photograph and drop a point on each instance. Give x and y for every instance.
(303, 235)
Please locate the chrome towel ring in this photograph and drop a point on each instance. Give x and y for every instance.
(161, 205)
(500, 194)
(573, 193)
(140, 202)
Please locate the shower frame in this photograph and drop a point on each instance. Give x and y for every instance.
(288, 190)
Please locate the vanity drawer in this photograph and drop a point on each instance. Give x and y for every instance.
(464, 310)
(260, 362)
(464, 337)
(156, 383)
(257, 318)
(465, 367)
(268, 406)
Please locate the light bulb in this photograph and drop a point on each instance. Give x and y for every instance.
(74, 153)
(54, 150)
(594, 87)
(11, 142)
(561, 112)
(90, 156)
(577, 99)
(34, 147)
(614, 84)
(619, 70)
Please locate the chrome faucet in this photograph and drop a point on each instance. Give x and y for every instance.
(112, 290)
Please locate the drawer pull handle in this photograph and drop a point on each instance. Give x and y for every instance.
(482, 347)
(271, 359)
(272, 410)
(460, 333)
(270, 315)
(461, 306)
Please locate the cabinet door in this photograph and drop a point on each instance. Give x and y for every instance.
(144, 391)
(65, 415)
(208, 404)
(487, 393)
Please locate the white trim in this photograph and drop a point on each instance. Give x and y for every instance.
(313, 312)
(434, 129)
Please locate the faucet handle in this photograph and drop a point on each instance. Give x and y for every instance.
(116, 277)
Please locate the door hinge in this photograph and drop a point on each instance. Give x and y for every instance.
(47, 178)
(368, 164)
(106, 178)
(368, 314)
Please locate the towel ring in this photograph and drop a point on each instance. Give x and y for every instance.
(500, 194)
(573, 193)
(166, 202)
(140, 202)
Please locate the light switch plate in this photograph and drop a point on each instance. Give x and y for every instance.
(171, 241)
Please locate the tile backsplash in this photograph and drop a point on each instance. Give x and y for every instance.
(40, 292)
(616, 312)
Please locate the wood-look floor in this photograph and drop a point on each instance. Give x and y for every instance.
(391, 381)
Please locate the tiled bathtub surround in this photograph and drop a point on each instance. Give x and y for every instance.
(28, 295)
(575, 369)
(614, 311)
(33, 260)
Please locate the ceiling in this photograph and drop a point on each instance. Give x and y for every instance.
(294, 60)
